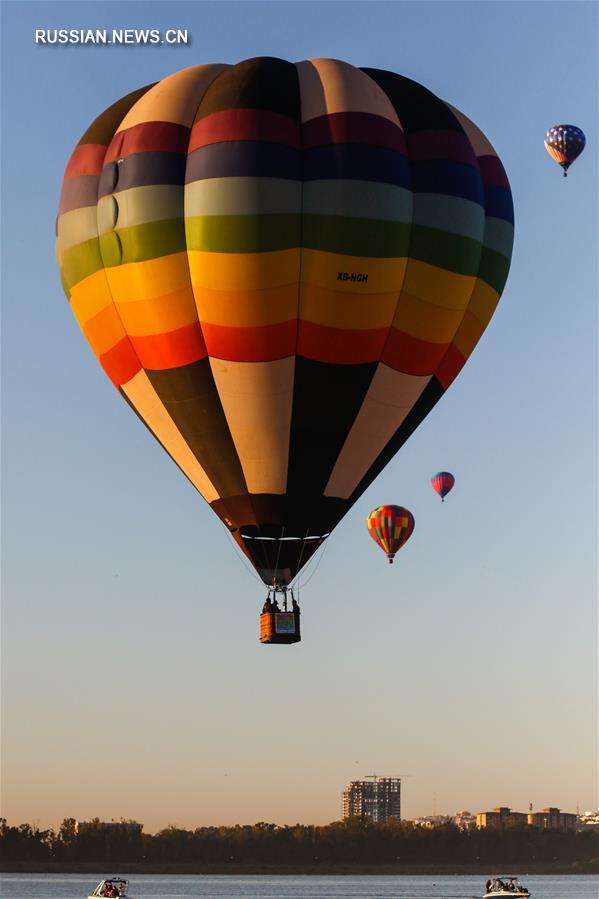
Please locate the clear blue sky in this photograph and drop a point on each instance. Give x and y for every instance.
(134, 684)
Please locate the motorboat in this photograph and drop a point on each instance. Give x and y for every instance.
(505, 886)
(112, 888)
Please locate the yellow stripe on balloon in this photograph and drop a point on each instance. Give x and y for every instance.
(158, 315)
(373, 275)
(438, 286)
(483, 302)
(342, 309)
(435, 324)
(244, 271)
(150, 278)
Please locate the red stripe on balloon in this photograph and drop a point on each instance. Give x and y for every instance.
(87, 159)
(245, 124)
(411, 355)
(157, 137)
(259, 344)
(340, 345)
(121, 362)
(353, 128)
(170, 350)
(450, 367)
(440, 144)
(492, 171)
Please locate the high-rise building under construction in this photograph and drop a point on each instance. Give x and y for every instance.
(379, 799)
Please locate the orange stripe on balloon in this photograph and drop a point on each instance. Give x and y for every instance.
(410, 355)
(450, 367)
(86, 159)
(261, 344)
(171, 350)
(121, 362)
(556, 154)
(340, 345)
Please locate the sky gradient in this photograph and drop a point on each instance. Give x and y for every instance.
(133, 682)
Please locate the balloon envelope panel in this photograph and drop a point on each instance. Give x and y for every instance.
(282, 267)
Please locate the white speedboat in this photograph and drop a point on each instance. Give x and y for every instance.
(112, 888)
(507, 887)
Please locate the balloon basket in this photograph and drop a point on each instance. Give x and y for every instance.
(280, 625)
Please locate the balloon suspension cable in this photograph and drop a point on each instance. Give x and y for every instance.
(301, 555)
(320, 558)
(279, 549)
(240, 555)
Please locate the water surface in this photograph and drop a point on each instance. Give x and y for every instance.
(213, 886)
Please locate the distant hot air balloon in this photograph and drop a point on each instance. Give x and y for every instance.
(565, 143)
(282, 267)
(390, 527)
(442, 483)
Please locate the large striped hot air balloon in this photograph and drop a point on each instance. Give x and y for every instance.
(565, 143)
(282, 267)
(390, 527)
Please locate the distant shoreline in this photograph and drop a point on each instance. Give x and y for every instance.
(484, 870)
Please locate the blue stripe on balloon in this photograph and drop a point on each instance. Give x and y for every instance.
(250, 158)
(362, 162)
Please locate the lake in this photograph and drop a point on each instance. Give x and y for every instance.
(212, 886)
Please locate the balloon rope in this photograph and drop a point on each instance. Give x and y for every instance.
(243, 558)
(279, 550)
(317, 564)
(299, 564)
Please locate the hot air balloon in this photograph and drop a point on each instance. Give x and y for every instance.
(282, 267)
(442, 483)
(390, 527)
(565, 143)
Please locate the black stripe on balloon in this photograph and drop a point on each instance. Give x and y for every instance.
(224, 513)
(427, 400)
(190, 397)
(326, 401)
(102, 130)
(264, 82)
(417, 108)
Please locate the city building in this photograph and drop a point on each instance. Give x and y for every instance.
(553, 819)
(378, 798)
(501, 815)
(431, 821)
(464, 820)
(588, 820)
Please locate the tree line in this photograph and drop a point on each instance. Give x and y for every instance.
(353, 841)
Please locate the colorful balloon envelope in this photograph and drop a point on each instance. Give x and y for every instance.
(390, 527)
(565, 143)
(442, 483)
(282, 267)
